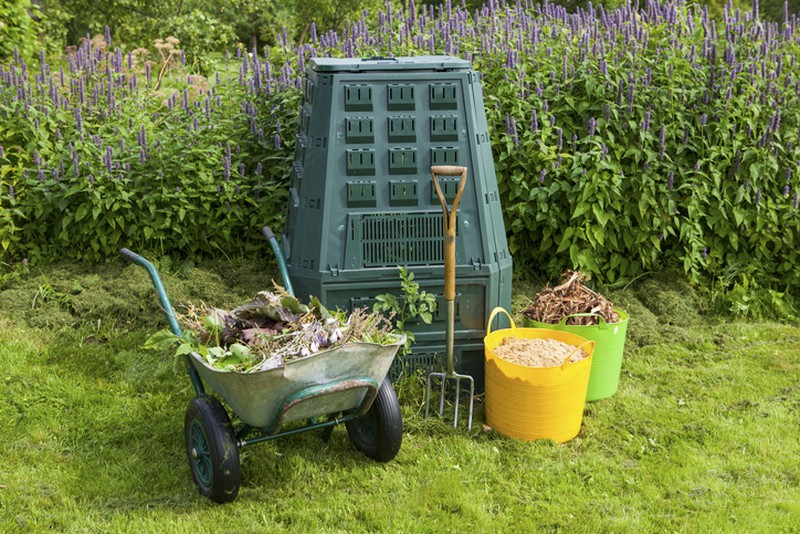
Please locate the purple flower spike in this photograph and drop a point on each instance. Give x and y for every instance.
(758, 196)
(786, 191)
(2, 152)
(259, 169)
(671, 180)
(796, 199)
(277, 142)
(541, 176)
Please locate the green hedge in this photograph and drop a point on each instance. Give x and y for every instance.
(625, 141)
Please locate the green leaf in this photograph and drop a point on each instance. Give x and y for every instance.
(213, 323)
(161, 340)
(566, 240)
(184, 348)
(81, 212)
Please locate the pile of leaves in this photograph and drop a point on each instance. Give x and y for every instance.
(269, 331)
(552, 304)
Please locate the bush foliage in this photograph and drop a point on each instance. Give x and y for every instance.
(626, 140)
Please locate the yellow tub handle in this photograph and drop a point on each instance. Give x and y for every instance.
(579, 347)
(492, 316)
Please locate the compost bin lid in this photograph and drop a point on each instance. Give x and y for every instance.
(376, 64)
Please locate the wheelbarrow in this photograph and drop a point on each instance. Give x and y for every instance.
(347, 384)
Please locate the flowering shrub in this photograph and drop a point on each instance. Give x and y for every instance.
(625, 140)
(113, 150)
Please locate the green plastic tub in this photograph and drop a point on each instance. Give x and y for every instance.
(609, 341)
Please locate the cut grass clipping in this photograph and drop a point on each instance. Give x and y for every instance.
(701, 435)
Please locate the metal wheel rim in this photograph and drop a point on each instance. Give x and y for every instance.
(200, 453)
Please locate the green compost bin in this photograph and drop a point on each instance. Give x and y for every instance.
(609, 339)
(361, 201)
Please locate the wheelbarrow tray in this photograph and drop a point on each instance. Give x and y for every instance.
(345, 378)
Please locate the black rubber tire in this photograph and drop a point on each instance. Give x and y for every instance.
(379, 432)
(211, 450)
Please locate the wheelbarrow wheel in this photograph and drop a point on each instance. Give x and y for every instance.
(211, 449)
(379, 432)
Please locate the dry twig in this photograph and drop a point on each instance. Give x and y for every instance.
(552, 304)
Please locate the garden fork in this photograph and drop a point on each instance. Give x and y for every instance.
(450, 293)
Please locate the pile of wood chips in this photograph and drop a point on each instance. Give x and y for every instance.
(552, 304)
(537, 352)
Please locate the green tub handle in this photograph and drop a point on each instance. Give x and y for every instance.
(603, 324)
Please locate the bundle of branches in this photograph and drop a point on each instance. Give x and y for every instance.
(552, 304)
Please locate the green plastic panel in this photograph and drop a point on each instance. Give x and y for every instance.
(360, 161)
(449, 187)
(359, 130)
(444, 128)
(402, 129)
(358, 97)
(403, 160)
(403, 192)
(445, 155)
(361, 193)
(443, 96)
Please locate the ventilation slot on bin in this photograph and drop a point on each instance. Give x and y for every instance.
(400, 239)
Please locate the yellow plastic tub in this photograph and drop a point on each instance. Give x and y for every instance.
(533, 403)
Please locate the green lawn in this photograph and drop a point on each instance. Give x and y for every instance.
(701, 436)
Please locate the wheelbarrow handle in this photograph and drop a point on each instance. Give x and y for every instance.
(449, 224)
(162, 293)
(130, 255)
(165, 304)
(276, 249)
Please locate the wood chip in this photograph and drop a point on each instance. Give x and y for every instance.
(552, 304)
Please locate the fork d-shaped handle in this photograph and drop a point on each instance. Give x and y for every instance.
(449, 224)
